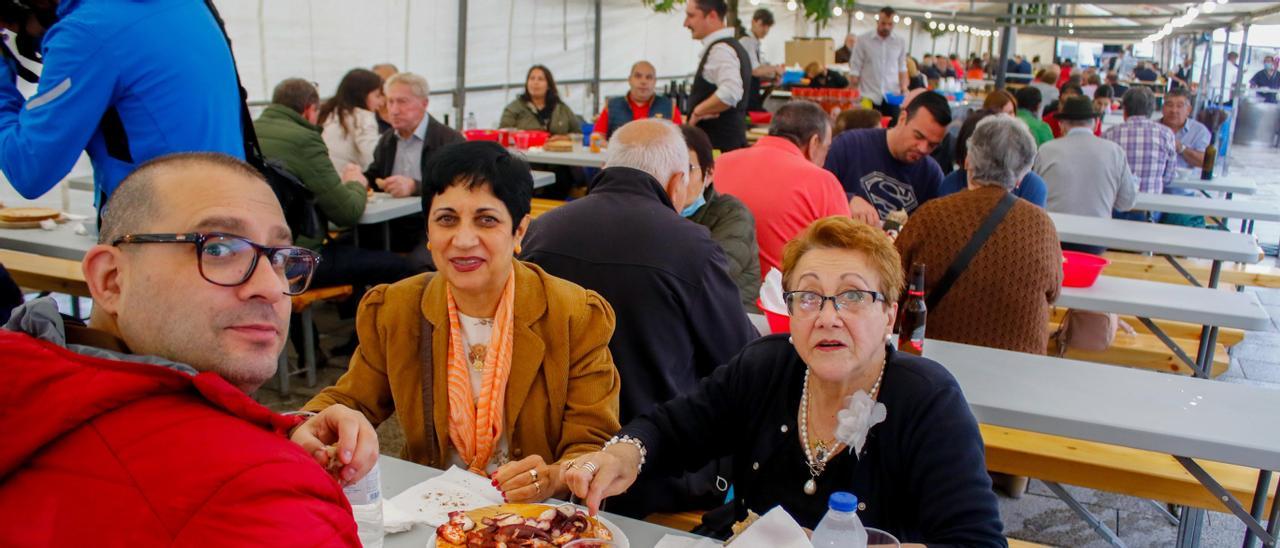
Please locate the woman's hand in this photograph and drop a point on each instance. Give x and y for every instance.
(529, 479)
(594, 476)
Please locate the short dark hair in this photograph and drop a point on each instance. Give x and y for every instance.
(798, 121)
(888, 11)
(296, 93)
(966, 131)
(856, 118)
(1071, 87)
(1177, 92)
(478, 164)
(1104, 91)
(708, 6)
(133, 203)
(700, 144)
(933, 102)
(1029, 98)
(764, 16)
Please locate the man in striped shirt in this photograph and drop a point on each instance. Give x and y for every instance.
(1148, 145)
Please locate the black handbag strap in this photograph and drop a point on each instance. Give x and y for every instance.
(961, 262)
(252, 153)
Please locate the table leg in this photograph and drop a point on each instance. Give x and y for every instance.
(386, 236)
(1259, 506)
(1190, 528)
(1227, 499)
(1208, 334)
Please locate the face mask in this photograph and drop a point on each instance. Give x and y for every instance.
(694, 207)
(1270, 66)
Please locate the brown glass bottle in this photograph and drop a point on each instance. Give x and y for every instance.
(913, 313)
(1210, 154)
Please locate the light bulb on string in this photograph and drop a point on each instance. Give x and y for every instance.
(791, 5)
(859, 15)
(933, 25)
(906, 21)
(836, 11)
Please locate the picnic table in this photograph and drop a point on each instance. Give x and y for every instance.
(578, 158)
(398, 475)
(1226, 184)
(1209, 207)
(1180, 416)
(1198, 305)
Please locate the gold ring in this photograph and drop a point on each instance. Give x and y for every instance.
(538, 489)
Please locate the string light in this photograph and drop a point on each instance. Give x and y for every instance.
(951, 27)
(836, 11)
(928, 15)
(933, 25)
(896, 18)
(859, 15)
(906, 21)
(791, 5)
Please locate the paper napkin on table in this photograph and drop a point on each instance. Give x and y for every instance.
(431, 501)
(776, 529)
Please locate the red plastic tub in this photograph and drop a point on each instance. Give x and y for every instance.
(1081, 269)
(483, 135)
(759, 117)
(777, 322)
(536, 138)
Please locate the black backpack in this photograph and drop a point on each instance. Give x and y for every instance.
(297, 201)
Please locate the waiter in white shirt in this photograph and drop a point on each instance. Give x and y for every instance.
(878, 64)
(762, 72)
(718, 95)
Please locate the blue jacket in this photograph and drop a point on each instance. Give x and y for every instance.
(162, 66)
(1032, 188)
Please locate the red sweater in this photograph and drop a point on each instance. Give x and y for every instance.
(101, 452)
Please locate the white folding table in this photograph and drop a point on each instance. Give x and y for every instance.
(1204, 306)
(1181, 416)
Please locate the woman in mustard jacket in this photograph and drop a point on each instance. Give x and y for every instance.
(520, 377)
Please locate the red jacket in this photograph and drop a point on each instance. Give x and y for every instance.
(100, 452)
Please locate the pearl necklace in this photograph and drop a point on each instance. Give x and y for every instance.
(817, 463)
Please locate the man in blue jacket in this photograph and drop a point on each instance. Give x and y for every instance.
(125, 82)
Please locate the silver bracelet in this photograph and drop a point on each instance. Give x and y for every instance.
(629, 441)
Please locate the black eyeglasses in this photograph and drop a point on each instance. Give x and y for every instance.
(808, 303)
(229, 260)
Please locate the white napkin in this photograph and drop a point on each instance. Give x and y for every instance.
(395, 520)
(771, 293)
(431, 501)
(775, 529)
(679, 541)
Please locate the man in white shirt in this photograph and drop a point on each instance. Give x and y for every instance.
(761, 71)
(878, 65)
(718, 95)
(1225, 93)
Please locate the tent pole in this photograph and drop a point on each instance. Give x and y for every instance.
(1226, 64)
(595, 76)
(460, 87)
(1006, 39)
(1235, 107)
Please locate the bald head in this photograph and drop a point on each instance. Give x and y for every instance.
(385, 70)
(643, 80)
(143, 193)
(655, 147)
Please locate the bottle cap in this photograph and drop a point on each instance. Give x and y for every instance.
(842, 501)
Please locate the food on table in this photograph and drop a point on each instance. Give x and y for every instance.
(28, 214)
(334, 463)
(558, 146)
(513, 525)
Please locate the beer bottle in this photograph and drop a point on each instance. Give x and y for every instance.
(1210, 154)
(911, 332)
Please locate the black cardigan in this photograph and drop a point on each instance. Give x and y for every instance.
(922, 477)
(384, 154)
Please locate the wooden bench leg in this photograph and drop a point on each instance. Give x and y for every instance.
(1101, 528)
(309, 347)
(282, 371)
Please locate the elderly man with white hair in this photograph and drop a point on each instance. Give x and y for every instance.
(1001, 298)
(678, 311)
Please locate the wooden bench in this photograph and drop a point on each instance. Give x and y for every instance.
(543, 205)
(1144, 350)
(45, 273)
(301, 307)
(1112, 468)
(1156, 268)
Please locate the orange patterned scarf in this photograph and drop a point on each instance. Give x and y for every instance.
(475, 428)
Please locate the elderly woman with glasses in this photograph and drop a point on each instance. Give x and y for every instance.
(490, 364)
(919, 474)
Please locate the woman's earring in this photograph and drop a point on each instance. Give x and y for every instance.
(790, 340)
(517, 249)
(428, 246)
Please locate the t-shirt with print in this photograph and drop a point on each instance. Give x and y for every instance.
(860, 159)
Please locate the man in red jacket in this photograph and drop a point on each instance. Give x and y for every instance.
(137, 429)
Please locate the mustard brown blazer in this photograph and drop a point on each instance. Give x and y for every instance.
(562, 395)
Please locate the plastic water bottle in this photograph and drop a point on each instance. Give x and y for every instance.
(365, 497)
(840, 528)
(471, 121)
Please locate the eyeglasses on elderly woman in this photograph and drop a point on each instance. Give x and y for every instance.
(229, 260)
(808, 303)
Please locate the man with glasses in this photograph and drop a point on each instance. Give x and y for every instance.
(138, 427)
